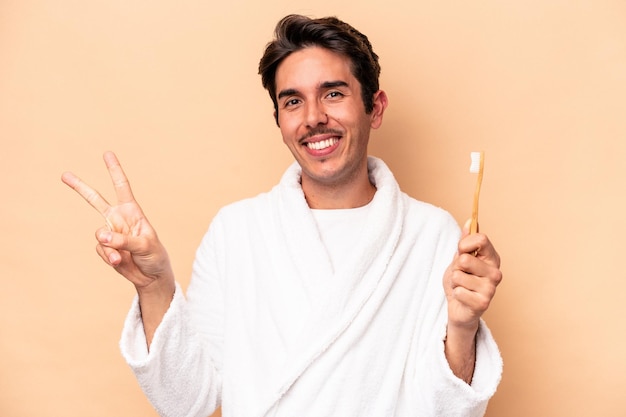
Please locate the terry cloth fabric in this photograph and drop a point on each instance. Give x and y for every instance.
(258, 335)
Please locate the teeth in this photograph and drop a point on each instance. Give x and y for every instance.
(323, 144)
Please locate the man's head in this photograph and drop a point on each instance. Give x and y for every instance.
(295, 32)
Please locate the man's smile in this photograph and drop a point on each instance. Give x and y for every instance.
(322, 144)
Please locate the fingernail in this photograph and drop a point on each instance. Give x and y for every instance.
(105, 237)
(113, 258)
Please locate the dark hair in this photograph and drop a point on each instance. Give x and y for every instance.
(295, 32)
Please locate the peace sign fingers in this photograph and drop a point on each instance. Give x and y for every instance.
(121, 217)
(130, 244)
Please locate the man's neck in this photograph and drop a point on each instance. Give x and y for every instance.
(355, 194)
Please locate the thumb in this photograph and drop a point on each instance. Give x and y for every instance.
(119, 241)
(467, 227)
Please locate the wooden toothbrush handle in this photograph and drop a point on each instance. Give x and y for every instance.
(479, 180)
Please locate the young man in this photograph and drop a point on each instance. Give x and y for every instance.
(334, 294)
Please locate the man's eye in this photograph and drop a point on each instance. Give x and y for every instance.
(291, 102)
(335, 94)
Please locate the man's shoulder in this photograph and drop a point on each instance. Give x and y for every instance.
(424, 206)
(246, 204)
(258, 205)
(424, 210)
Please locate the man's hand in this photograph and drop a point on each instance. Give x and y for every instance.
(129, 244)
(470, 284)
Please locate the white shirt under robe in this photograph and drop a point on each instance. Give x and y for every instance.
(274, 326)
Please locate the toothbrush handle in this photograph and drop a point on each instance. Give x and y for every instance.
(479, 180)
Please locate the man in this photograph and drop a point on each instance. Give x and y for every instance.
(334, 294)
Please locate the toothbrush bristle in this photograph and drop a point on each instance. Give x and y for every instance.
(475, 166)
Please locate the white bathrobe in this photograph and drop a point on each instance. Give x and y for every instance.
(262, 334)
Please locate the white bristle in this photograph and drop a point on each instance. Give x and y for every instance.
(475, 166)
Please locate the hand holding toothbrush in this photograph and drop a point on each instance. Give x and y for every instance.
(470, 284)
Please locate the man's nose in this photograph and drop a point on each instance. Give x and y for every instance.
(316, 114)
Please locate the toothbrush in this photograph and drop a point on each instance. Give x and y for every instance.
(478, 162)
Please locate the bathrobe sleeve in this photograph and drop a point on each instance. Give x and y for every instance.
(180, 375)
(442, 393)
(450, 396)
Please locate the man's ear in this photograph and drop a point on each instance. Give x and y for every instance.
(380, 102)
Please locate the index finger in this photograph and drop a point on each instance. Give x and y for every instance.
(480, 246)
(90, 195)
(120, 182)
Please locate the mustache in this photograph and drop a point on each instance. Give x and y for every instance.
(319, 131)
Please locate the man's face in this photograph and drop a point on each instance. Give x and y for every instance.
(322, 116)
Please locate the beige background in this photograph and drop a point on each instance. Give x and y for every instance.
(540, 85)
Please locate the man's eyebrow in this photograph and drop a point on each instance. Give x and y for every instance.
(287, 92)
(333, 84)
